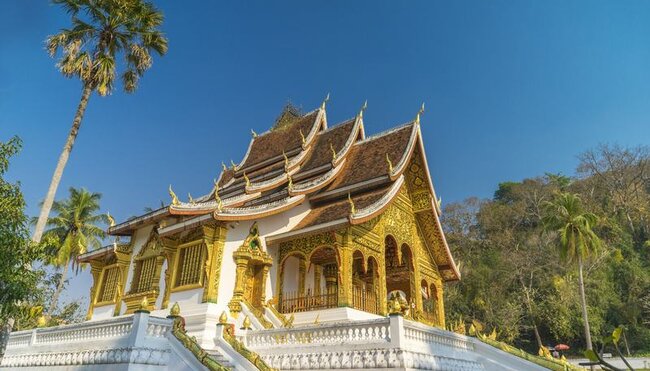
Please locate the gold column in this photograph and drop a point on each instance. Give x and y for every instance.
(302, 272)
(238, 292)
(215, 240)
(318, 272)
(265, 277)
(96, 272)
(171, 254)
(123, 261)
(345, 285)
(382, 299)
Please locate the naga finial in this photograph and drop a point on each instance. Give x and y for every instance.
(248, 181)
(390, 164)
(333, 151)
(173, 196)
(253, 133)
(420, 112)
(286, 160)
(111, 221)
(190, 199)
(223, 166)
(353, 210)
(327, 98)
(302, 138)
(223, 318)
(439, 202)
(246, 324)
(234, 166)
(363, 108)
(290, 185)
(216, 195)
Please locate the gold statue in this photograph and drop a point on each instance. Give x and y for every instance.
(173, 196)
(353, 210)
(111, 221)
(252, 241)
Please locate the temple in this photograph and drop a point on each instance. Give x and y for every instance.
(317, 220)
(322, 248)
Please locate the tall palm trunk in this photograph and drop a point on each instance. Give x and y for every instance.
(583, 301)
(63, 159)
(59, 288)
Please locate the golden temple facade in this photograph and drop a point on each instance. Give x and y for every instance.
(317, 222)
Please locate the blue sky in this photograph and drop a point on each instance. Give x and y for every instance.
(513, 89)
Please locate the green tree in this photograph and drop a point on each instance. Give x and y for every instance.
(102, 32)
(566, 216)
(73, 229)
(17, 279)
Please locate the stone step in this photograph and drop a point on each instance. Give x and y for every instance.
(221, 359)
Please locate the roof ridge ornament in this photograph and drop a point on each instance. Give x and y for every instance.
(353, 209)
(190, 199)
(216, 195)
(223, 166)
(286, 160)
(111, 220)
(327, 98)
(390, 164)
(248, 181)
(253, 133)
(232, 163)
(333, 152)
(290, 185)
(420, 112)
(302, 138)
(363, 108)
(175, 200)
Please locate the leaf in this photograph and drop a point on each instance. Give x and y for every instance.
(616, 335)
(591, 355)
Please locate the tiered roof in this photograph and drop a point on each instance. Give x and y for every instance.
(346, 177)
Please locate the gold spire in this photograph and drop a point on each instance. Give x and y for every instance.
(173, 196)
(216, 195)
(363, 108)
(248, 181)
(302, 138)
(353, 210)
(327, 98)
(420, 112)
(246, 324)
(390, 164)
(223, 318)
(190, 199)
(286, 160)
(223, 166)
(111, 221)
(333, 151)
(175, 310)
(253, 133)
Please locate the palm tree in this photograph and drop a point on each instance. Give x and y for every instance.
(566, 216)
(73, 229)
(102, 31)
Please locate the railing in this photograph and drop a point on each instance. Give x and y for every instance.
(365, 300)
(418, 333)
(354, 332)
(295, 302)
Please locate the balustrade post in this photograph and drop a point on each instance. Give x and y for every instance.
(397, 338)
(32, 339)
(139, 328)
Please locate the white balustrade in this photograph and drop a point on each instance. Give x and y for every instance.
(104, 329)
(417, 333)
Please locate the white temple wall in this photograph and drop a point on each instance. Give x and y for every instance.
(238, 231)
(194, 296)
(140, 237)
(103, 312)
(291, 274)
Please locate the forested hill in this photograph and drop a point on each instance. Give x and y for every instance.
(514, 277)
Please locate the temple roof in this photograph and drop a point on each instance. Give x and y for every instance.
(345, 177)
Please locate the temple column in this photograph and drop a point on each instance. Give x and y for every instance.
(96, 272)
(171, 255)
(318, 272)
(265, 277)
(123, 256)
(214, 238)
(302, 273)
(238, 292)
(345, 270)
(331, 281)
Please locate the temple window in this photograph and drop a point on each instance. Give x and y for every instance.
(110, 280)
(143, 275)
(190, 265)
(399, 272)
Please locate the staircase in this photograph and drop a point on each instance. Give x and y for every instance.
(217, 356)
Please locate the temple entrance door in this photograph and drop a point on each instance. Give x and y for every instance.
(399, 273)
(254, 285)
